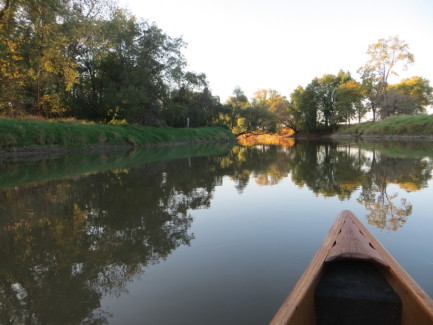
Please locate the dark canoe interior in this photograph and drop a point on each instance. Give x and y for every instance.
(355, 292)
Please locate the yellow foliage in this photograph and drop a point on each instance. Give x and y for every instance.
(409, 186)
(53, 105)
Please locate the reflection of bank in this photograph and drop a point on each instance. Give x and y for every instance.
(388, 211)
(337, 169)
(280, 141)
(340, 169)
(65, 244)
(373, 172)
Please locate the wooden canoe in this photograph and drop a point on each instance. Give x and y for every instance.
(349, 241)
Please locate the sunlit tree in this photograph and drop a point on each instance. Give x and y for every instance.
(418, 89)
(385, 56)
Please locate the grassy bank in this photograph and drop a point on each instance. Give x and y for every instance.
(74, 134)
(415, 125)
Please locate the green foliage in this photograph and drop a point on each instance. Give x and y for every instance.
(237, 104)
(417, 90)
(92, 60)
(325, 102)
(334, 99)
(267, 112)
(349, 101)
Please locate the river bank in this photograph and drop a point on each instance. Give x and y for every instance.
(29, 137)
(410, 126)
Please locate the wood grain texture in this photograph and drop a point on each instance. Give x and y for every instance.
(349, 238)
(352, 244)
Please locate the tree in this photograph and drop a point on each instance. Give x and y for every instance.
(238, 103)
(418, 89)
(318, 103)
(200, 108)
(349, 101)
(34, 61)
(326, 92)
(295, 117)
(385, 55)
(371, 92)
(309, 107)
(397, 104)
(92, 60)
(275, 104)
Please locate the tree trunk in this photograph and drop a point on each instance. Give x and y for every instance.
(3, 11)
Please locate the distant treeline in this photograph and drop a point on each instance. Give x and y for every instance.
(90, 59)
(332, 100)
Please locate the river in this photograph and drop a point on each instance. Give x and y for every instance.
(198, 235)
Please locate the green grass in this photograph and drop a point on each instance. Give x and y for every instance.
(414, 125)
(27, 133)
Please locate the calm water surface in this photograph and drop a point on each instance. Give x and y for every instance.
(198, 235)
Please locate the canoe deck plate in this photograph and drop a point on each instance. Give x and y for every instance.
(352, 244)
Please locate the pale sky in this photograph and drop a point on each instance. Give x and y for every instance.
(280, 44)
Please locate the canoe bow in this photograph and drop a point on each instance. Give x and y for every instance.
(349, 239)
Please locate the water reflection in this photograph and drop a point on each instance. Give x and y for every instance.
(65, 243)
(334, 169)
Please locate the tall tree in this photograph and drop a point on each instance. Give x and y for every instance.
(325, 90)
(385, 55)
(295, 116)
(238, 102)
(349, 101)
(309, 107)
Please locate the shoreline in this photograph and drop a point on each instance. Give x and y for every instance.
(381, 137)
(38, 151)
(29, 138)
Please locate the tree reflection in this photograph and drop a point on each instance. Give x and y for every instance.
(327, 169)
(384, 213)
(66, 244)
(335, 169)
